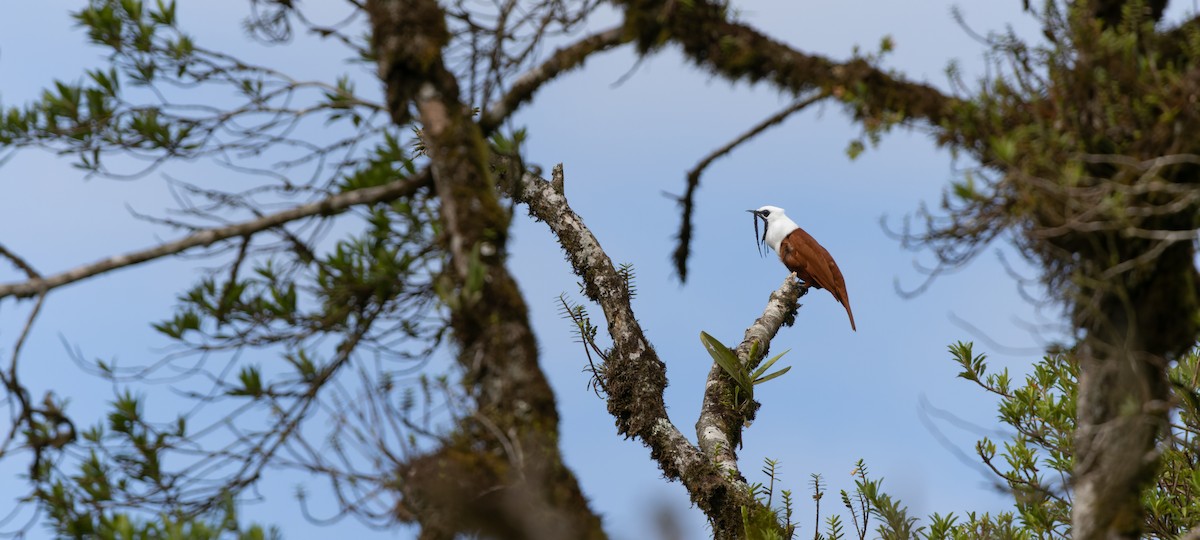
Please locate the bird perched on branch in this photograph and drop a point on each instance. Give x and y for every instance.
(801, 254)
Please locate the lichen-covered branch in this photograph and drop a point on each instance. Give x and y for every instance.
(634, 375)
(719, 429)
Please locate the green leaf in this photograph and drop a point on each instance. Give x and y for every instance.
(767, 365)
(251, 380)
(725, 358)
(766, 378)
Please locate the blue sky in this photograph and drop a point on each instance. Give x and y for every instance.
(848, 396)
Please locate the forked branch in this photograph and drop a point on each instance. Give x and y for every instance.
(634, 375)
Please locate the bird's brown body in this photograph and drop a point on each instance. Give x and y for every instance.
(801, 254)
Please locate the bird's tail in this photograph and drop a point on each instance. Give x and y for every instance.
(846, 304)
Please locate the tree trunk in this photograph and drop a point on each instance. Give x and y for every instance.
(1137, 322)
(1122, 408)
(500, 475)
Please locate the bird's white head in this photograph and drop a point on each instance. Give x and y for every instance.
(778, 224)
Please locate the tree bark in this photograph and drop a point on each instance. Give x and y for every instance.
(502, 475)
(1121, 409)
(1133, 326)
(719, 428)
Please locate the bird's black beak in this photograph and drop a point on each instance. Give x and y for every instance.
(759, 242)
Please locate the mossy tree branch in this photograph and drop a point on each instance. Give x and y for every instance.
(741, 52)
(474, 484)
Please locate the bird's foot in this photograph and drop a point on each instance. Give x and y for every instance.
(804, 286)
(803, 283)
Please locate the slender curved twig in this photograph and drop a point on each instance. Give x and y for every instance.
(687, 201)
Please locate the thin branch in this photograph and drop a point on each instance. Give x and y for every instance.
(16, 353)
(333, 205)
(770, 121)
(19, 262)
(24, 414)
(563, 59)
(683, 248)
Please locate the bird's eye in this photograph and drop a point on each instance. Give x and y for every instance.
(766, 213)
